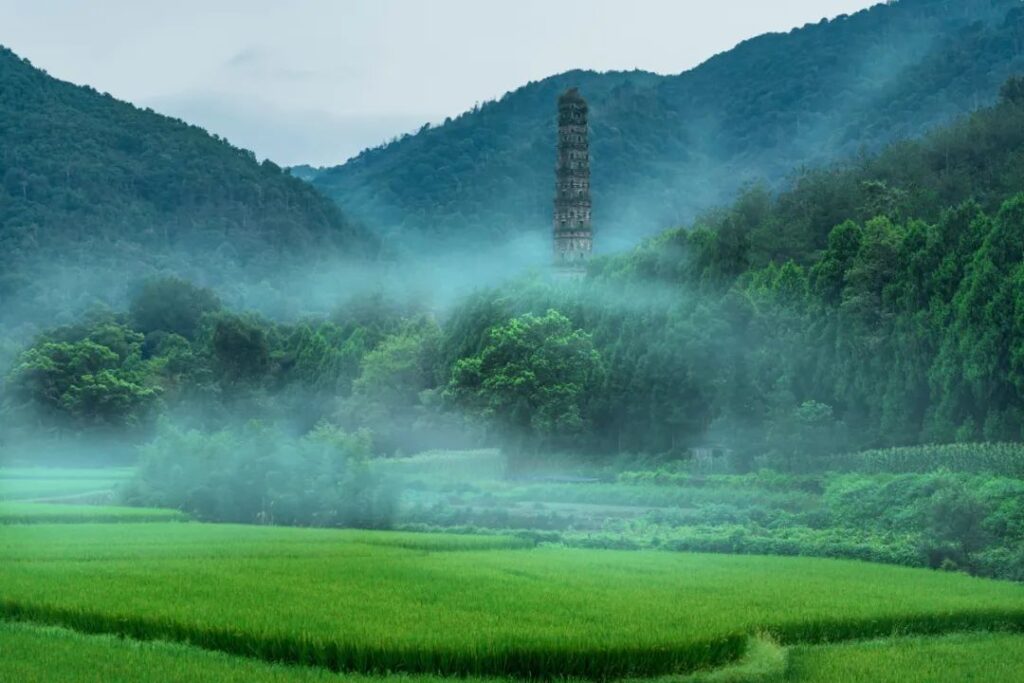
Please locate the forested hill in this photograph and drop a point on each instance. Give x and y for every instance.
(875, 303)
(664, 148)
(89, 181)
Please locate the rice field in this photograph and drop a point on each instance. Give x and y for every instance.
(478, 606)
(30, 654)
(958, 658)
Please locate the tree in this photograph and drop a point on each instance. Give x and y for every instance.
(173, 305)
(240, 349)
(1012, 91)
(532, 379)
(85, 383)
(393, 374)
(387, 396)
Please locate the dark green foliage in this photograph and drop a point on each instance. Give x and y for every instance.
(95, 381)
(171, 305)
(665, 148)
(240, 349)
(531, 378)
(958, 519)
(211, 366)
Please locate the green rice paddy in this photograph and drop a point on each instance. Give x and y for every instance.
(30, 654)
(33, 654)
(959, 658)
(385, 602)
(88, 593)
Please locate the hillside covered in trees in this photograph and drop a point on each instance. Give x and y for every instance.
(95, 193)
(872, 304)
(865, 305)
(869, 305)
(665, 148)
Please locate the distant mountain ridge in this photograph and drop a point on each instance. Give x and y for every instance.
(90, 182)
(664, 148)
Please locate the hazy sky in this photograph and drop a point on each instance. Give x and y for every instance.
(317, 80)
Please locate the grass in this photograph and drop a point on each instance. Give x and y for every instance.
(765, 661)
(959, 658)
(366, 601)
(39, 513)
(33, 654)
(28, 483)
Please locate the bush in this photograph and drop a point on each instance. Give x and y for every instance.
(257, 475)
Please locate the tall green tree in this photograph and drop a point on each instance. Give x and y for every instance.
(531, 380)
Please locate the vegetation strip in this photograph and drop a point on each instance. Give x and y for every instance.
(951, 659)
(596, 664)
(44, 653)
(45, 513)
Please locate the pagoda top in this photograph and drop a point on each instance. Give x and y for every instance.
(571, 95)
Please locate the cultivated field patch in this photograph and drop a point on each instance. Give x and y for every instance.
(44, 653)
(359, 601)
(956, 658)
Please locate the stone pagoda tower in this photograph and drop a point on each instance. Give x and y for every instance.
(573, 236)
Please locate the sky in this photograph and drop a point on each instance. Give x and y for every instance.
(316, 81)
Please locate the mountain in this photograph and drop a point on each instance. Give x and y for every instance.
(666, 148)
(89, 183)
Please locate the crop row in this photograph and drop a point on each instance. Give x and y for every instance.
(522, 661)
(1005, 459)
(33, 652)
(531, 661)
(953, 658)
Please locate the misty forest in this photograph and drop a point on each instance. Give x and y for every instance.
(759, 418)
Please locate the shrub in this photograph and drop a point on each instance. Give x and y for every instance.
(258, 475)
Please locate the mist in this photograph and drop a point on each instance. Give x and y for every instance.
(620, 376)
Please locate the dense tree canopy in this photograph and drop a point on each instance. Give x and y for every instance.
(96, 381)
(531, 378)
